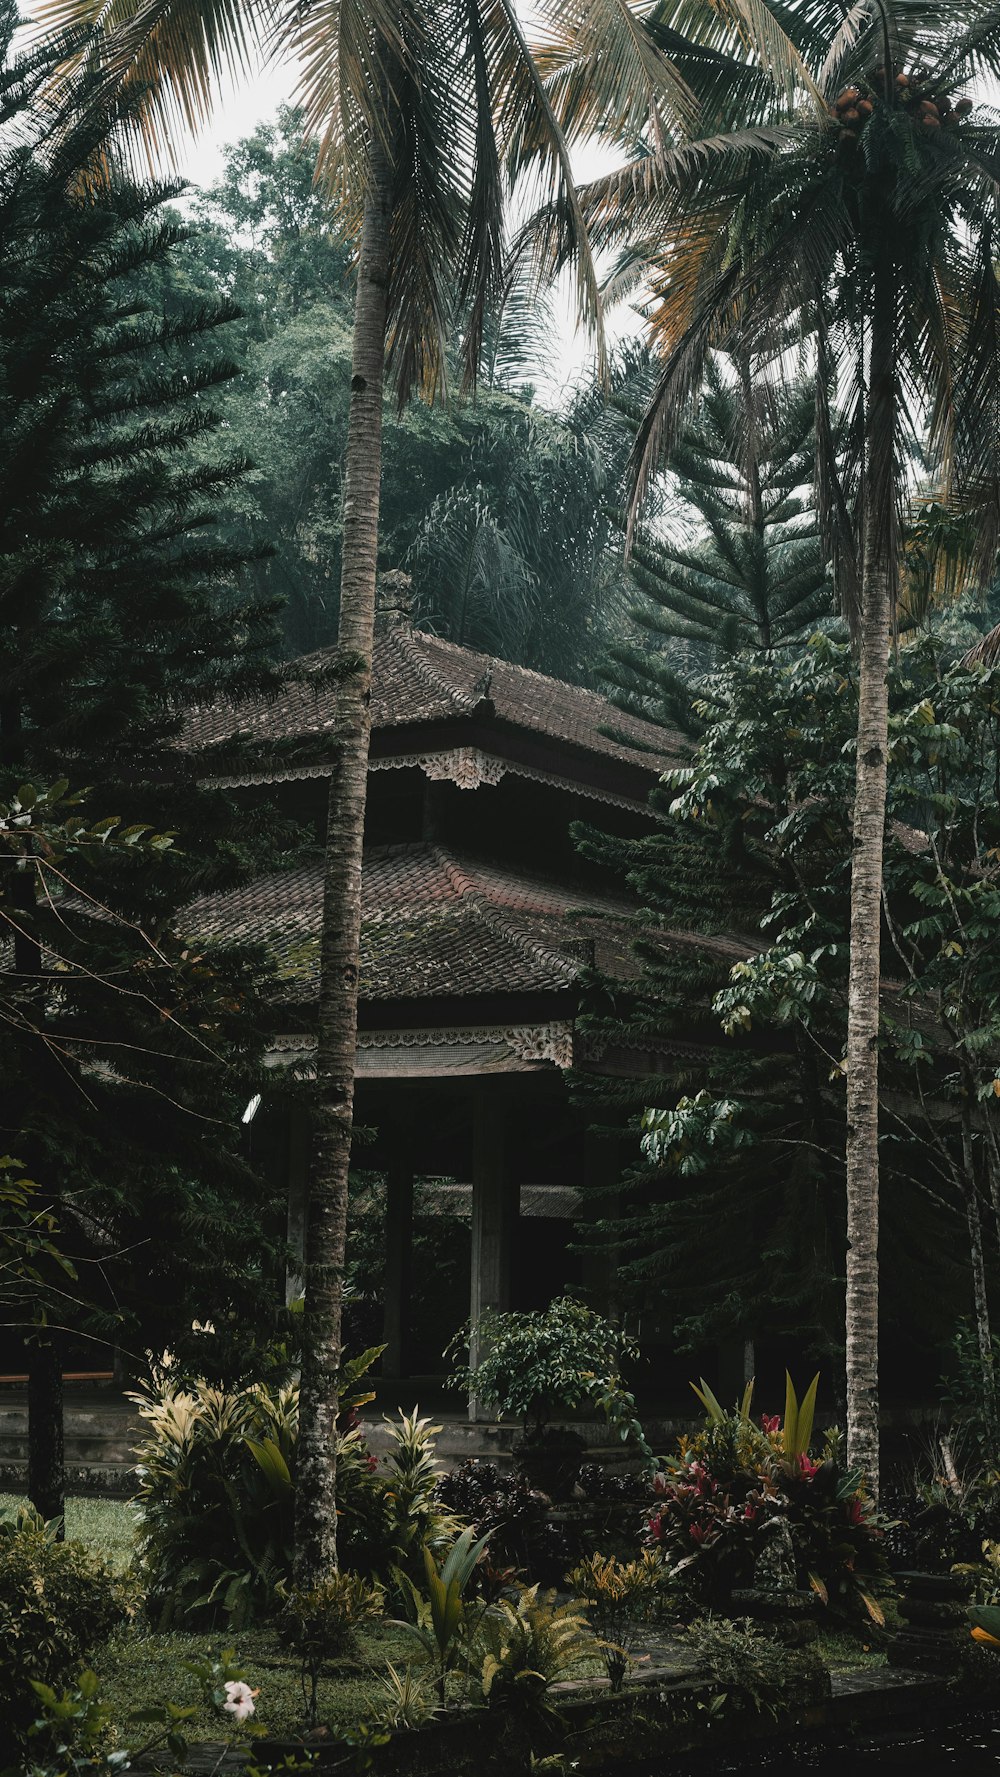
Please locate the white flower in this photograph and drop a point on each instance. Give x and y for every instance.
(239, 1699)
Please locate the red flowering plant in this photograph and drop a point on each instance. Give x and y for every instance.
(716, 1495)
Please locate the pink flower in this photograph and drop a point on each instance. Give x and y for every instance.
(239, 1701)
(770, 1423)
(808, 1468)
(659, 1482)
(856, 1512)
(371, 1464)
(697, 1533)
(656, 1526)
(750, 1513)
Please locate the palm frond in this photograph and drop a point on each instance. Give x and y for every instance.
(701, 318)
(530, 135)
(750, 27)
(603, 70)
(353, 58)
(167, 55)
(481, 278)
(845, 41)
(976, 476)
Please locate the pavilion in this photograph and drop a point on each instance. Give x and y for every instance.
(474, 945)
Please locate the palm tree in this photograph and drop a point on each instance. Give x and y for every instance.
(423, 110)
(839, 179)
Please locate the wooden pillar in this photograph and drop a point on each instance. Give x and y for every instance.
(494, 1214)
(298, 1200)
(398, 1255)
(602, 1167)
(46, 1469)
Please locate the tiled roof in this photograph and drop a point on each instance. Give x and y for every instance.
(419, 678)
(438, 926)
(433, 925)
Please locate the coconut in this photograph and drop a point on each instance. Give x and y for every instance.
(963, 107)
(865, 107)
(852, 116)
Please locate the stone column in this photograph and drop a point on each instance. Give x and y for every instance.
(398, 1255)
(298, 1199)
(495, 1208)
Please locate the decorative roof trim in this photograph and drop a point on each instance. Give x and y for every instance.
(551, 1041)
(245, 778)
(468, 768)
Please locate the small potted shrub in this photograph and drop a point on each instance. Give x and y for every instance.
(541, 1365)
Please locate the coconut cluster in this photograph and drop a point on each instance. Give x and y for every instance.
(915, 92)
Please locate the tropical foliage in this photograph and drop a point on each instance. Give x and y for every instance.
(58, 1603)
(498, 509)
(542, 1362)
(721, 1495)
(216, 1500)
(730, 560)
(836, 179)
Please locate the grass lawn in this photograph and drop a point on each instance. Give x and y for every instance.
(138, 1667)
(840, 1647)
(107, 1526)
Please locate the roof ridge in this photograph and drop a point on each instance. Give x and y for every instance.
(499, 663)
(463, 700)
(505, 927)
(532, 672)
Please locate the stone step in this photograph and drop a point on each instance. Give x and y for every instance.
(104, 1430)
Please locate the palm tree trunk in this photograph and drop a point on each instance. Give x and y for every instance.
(333, 1105)
(878, 594)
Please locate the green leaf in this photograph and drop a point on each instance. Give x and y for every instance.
(273, 1464)
(807, 1413)
(708, 1401)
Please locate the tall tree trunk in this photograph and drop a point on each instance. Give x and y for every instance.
(993, 1166)
(46, 1463)
(878, 594)
(980, 1295)
(333, 1105)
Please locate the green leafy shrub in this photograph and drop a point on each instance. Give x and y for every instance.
(321, 1624)
(390, 1511)
(440, 1618)
(544, 1362)
(216, 1496)
(753, 1672)
(532, 1644)
(57, 1603)
(618, 1596)
(216, 1500)
(717, 1495)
